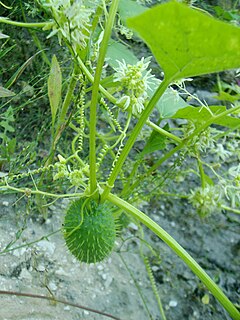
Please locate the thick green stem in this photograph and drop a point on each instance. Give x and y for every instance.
(142, 120)
(95, 91)
(182, 253)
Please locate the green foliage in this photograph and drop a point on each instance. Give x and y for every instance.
(200, 115)
(104, 100)
(8, 143)
(5, 93)
(54, 87)
(176, 35)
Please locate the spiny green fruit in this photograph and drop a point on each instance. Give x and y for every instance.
(89, 230)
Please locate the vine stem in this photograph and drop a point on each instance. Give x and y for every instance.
(25, 24)
(230, 209)
(128, 146)
(180, 251)
(95, 92)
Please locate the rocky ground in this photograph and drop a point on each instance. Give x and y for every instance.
(116, 286)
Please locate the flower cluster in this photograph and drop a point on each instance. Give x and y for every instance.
(232, 187)
(135, 82)
(206, 200)
(72, 20)
(76, 177)
(201, 142)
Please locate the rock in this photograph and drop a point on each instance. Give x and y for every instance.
(25, 275)
(173, 303)
(46, 246)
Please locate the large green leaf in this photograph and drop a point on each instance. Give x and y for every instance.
(187, 42)
(155, 142)
(129, 8)
(117, 52)
(200, 115)
(169, 103)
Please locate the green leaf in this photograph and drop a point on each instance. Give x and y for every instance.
(155, 142)
(54, 87)
(187, 42)
(20, 70)
(5, 93)
(7, 126)
(5, 51)
(3, 36)
(170, 103)
(225, 96)
(201, 115)
(129, 8)
(118, 51)
(12, 146)
(208, 180)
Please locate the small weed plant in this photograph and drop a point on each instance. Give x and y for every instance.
(111, 101)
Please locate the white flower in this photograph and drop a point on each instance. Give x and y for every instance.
(135, 81)
(221, 153)
(235, 173)
(72, 20)
(206, 200)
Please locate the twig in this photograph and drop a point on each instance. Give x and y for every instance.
(38, 296)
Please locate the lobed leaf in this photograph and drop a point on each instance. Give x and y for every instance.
(187, 42)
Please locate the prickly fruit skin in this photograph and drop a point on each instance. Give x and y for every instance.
(89, 230)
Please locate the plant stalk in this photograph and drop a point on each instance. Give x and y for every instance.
(25, 24)
(95, 92)
(127, 148)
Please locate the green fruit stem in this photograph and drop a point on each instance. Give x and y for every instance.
(182, 253)
(95, 93)
(134, 134)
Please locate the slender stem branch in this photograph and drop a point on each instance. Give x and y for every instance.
(180, 251)
(142, 120)
(4, 251)
(230, 209)
(25, 24)
(38, 296)
(163, 132)
(43, 193)
(95, 90)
